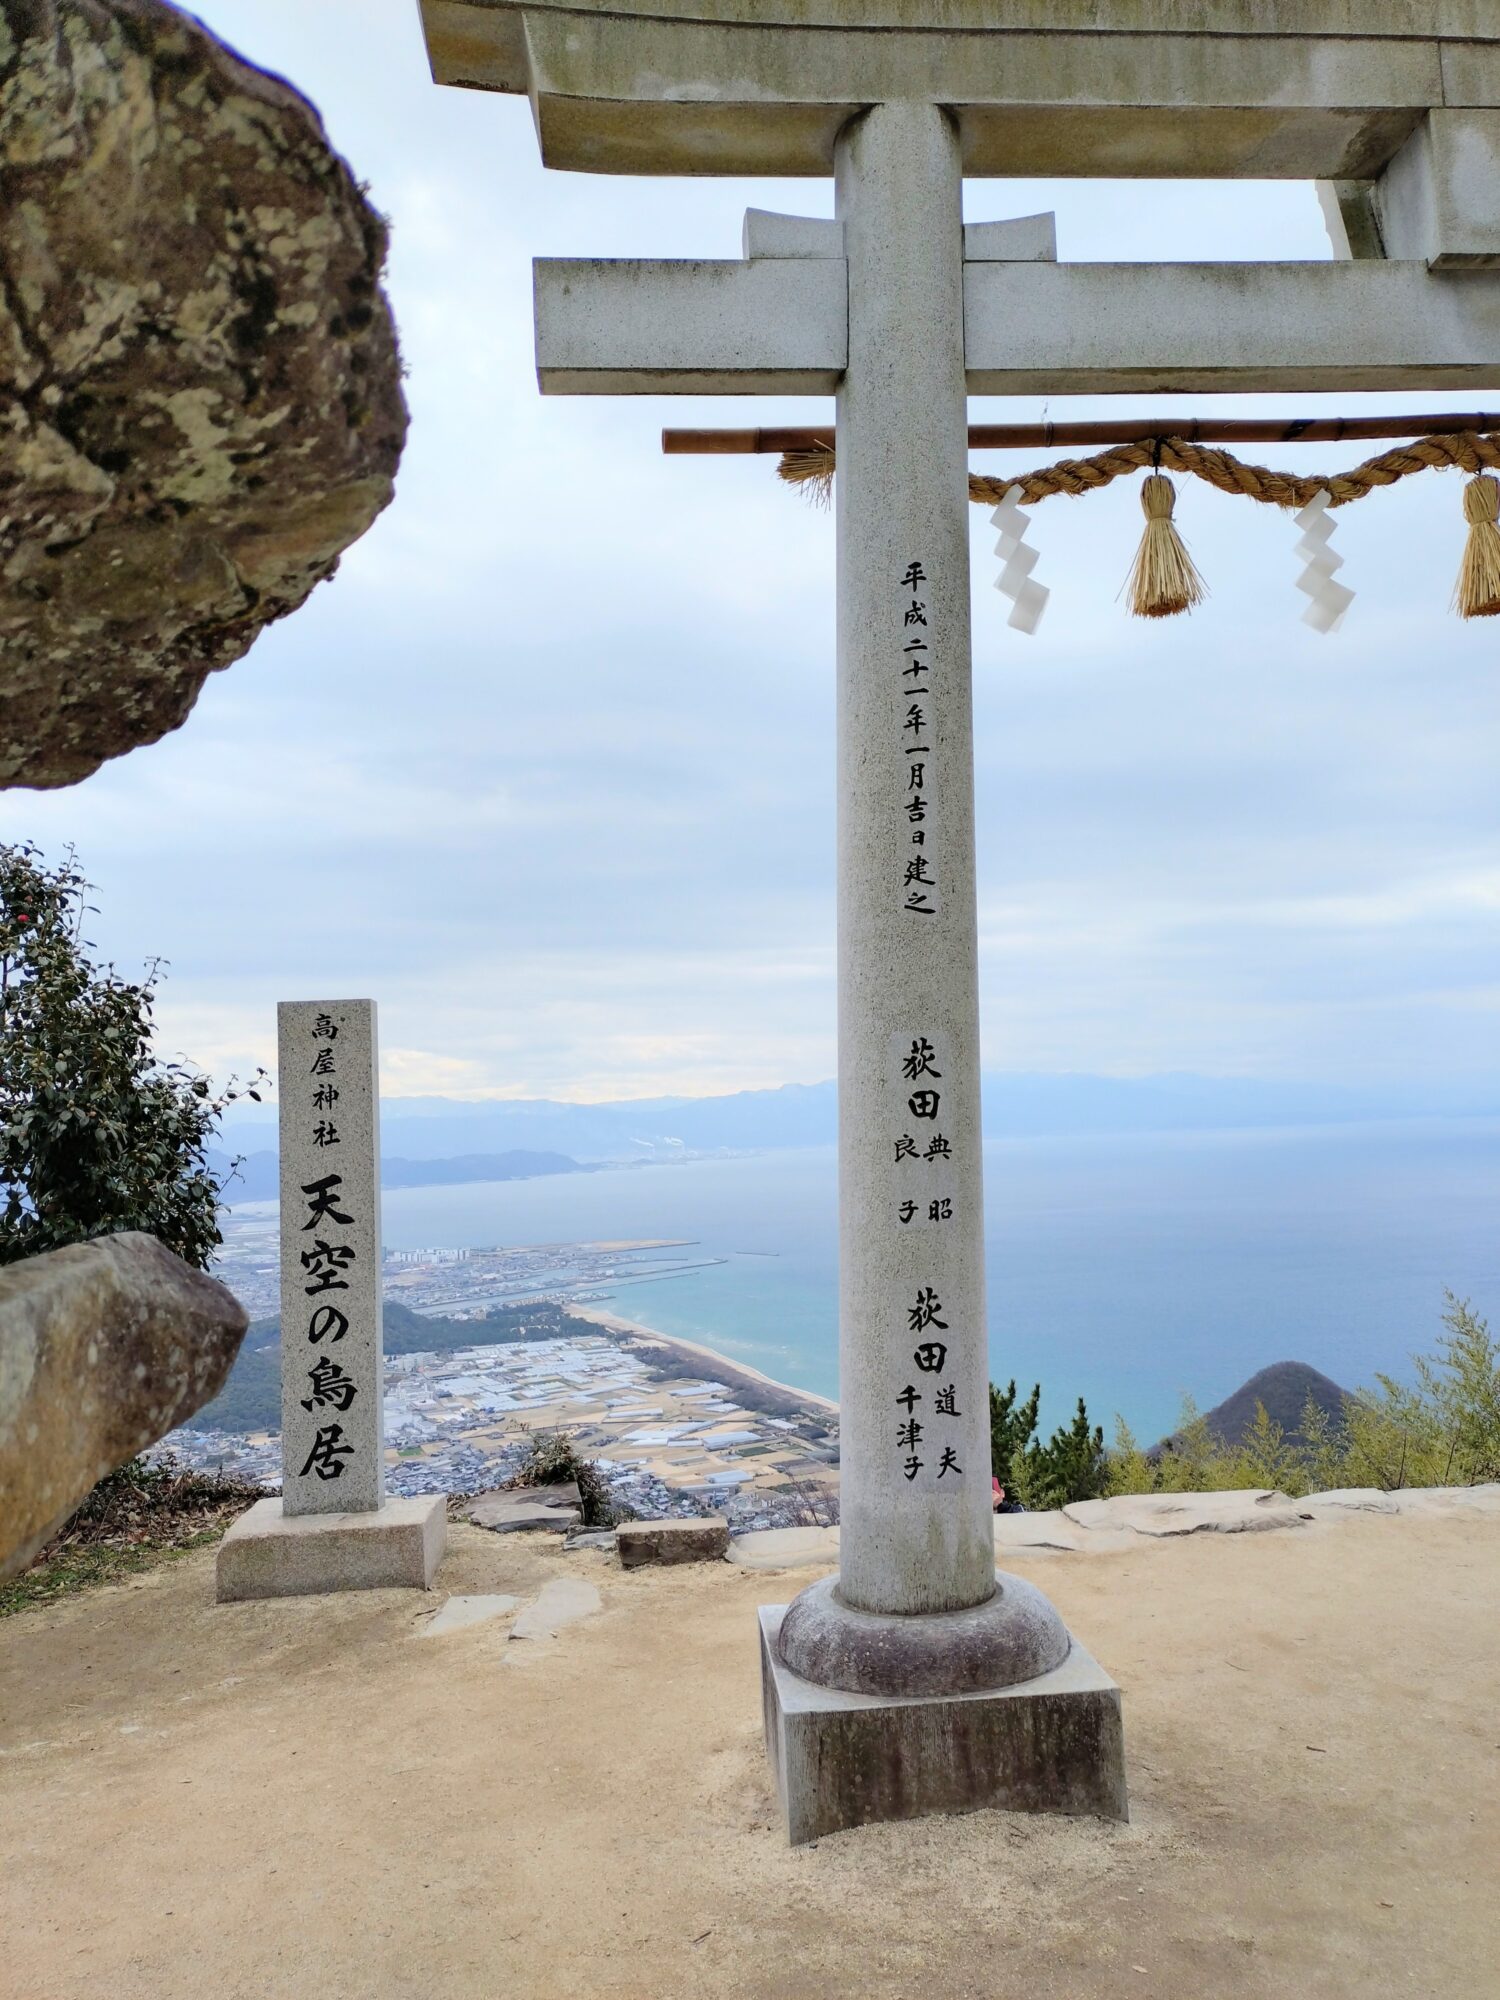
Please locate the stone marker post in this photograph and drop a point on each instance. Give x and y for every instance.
(333, 1528)
(332, 1351)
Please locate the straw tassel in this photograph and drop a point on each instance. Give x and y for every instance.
(1163, 581)
(1478, 591)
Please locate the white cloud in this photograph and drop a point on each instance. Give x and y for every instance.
(548, 768)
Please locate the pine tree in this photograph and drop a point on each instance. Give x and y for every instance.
(1325, 1449)
(1462, 1385)
(1070, 1466)
(1266, 1459)
(1012, 1429)
(1127, 1469)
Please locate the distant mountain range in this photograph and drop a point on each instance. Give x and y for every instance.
(468, 1137)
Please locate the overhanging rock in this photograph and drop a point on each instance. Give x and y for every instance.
(200, 403)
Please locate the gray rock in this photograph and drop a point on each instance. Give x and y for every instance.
(104, 1348)
(1483, 1499)
(589, 1538)
(1350, 1500)
(703, 1540)
(786, 1548)
(1249, 1510)
(503, 1513)
(200, 405)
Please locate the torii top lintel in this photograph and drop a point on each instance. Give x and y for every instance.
(1262, 89)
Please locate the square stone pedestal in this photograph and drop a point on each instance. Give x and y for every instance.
(267, 1553)
(1053, 1744)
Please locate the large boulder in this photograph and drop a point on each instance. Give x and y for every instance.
(104, 1348)
(200, 401)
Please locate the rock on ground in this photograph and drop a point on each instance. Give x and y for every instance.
(104, 1347)
(703, 1540)
(516, 1507)
(200, 404)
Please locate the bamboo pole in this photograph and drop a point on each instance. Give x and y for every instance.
(1124, 430)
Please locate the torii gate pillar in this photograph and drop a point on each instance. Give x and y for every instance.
(917, 1680)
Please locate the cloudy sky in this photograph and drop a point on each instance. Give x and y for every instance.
(547, 769)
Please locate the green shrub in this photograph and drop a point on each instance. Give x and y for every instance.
(1070, 1465)
(552, 1460)
(97, 1133)
(1441, 1430)
(1012, 1428)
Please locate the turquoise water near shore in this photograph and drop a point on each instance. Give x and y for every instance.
(1124, 1269)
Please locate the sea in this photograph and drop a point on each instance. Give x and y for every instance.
(1129, 1270)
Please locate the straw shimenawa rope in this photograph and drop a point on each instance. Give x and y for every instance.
(1473, 451)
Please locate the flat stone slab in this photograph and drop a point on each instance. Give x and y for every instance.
(1050, 1530)
(817, 1548)
(1351, 1500)
(556, 1507)
(786, 1548)
(1100, 1527)
(589, 1538)
(1448, 1499)
(1053, 1744)
(560, 1603)
(461, 1612)
(702, 1539)
(1244, 1511)
(268, 1553)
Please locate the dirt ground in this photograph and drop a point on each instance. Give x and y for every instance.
(301, 1798)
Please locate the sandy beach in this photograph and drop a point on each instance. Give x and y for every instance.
(725, 1368)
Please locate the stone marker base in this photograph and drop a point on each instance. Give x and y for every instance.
(1053, 1744)
(271, 1554)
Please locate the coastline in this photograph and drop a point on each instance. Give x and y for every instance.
(635, 1330)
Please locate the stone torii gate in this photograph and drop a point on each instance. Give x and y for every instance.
(917, 1680)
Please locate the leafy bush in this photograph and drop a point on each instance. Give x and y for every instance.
(146, 1512)
(552, 1460)
(97, 1134)
(1443, 1430)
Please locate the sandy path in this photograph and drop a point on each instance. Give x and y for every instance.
(265, 1800)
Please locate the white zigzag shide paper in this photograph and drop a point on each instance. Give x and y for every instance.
(1015, 581)
(1329, 600)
